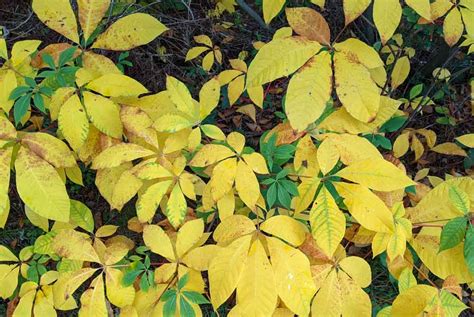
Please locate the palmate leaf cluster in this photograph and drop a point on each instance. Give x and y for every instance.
(221, 225)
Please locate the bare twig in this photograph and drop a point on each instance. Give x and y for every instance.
(253, 14)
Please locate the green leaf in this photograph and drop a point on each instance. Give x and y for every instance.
(469, 248)
(289, 186)
(416, 91)
(195, 297)
(183, 281)
(19, 91)
(130, 276)
(21, 107)
(30, 82)
(271, 195)
(48, 59)
(39, 102)
(283, 197)
(144, 285)
(453, 233)
(168, 295)
(169, 309)
(66, 56)
(81, 215)
(393, 124)
(185, 309)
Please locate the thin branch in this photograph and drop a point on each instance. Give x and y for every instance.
(253, 14)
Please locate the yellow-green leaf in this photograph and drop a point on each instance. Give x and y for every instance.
(149, 201)
(176, 207)
(50, 149)
(328, 223)
(104, 114)
(117, 85)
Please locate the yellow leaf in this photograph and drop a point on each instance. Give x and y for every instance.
(422, 7)
(59, 16)
(119, 154)
(256, 94)
(328, 300)
(188, 236)
(176, 207)
(257, 162)
(231, 228)
(400, 71)
(149, 201)
(442, 264)
(466, 140)
(116, 85)
(208, 61)
(308, 91)
(91, 13)
(195, 52)
(306, 191)
(8, 279)
(354, 8)
(180, 96)
(355, 88)
(285, 228)
(294, 284)
(247, 184)
(8, 82)
(50, 149)
(412, 302)
(6, 255)
(235, 89)
(117, 294)
(271, 62)
(213, 132)
(73, 122)
(366, 207)
(271, 8)
(36, 219)
(327, 155)
(129, 32)
(358, 270)
(387, 15)
(401, 145)
(256, 293)
(158, 242)
(376, 174)
(328, 223)
(449, 148)
(237, 141)
(199, 258)
(40, 186)
(74, 245)
(93, 302)
(453, 27)
(209, 96)
(5, 160)
(104, 114)
(226, 268)
(223, 176)
(356, 302)
(309, 23)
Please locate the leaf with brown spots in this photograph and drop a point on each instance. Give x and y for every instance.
(57, 15)
(310, 24)
(129, 32)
